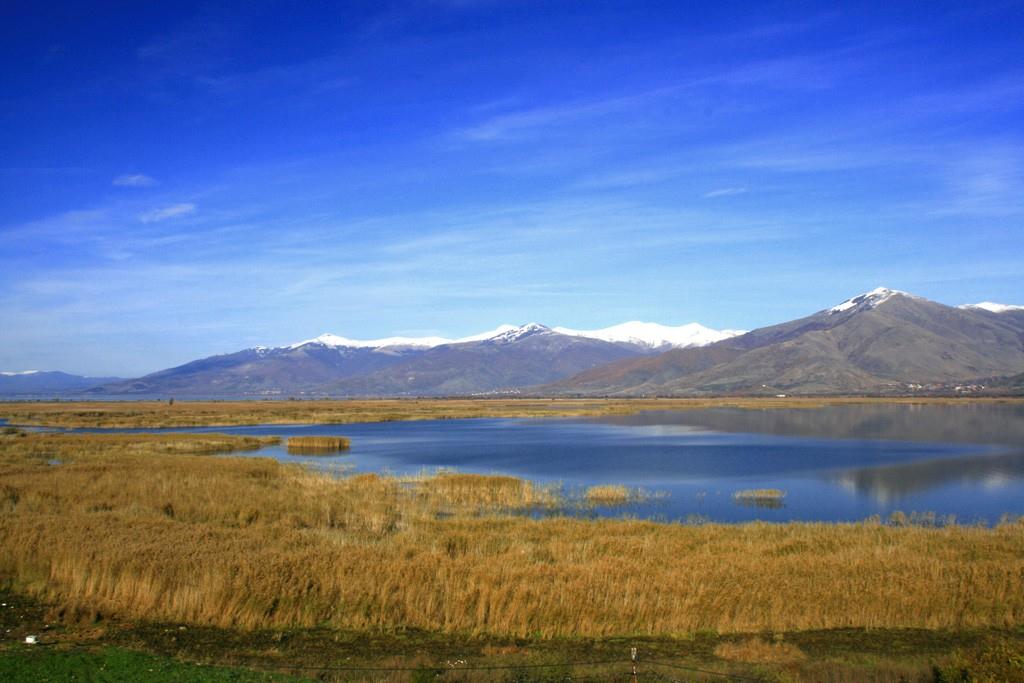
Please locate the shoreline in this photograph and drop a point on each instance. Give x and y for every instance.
(234, 413)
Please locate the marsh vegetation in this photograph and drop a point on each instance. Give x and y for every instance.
(772, 499)
(148, 414)
(149, 527)
(607, 494)
(759, 494)
(610, 495)
(317, 445)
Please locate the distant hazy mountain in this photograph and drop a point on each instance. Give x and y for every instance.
(505, 358)
(1006, 314)
(881, 341)
(993, 307)
(36, 382)
(264, 371)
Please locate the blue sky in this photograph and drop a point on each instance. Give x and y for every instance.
(182, 180)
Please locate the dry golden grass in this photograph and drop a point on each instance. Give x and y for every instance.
(25, 447)
(478, 491)
(607, 494)
(317, 445)
(138, 531)
(758, 651)
(759, 494)
(194, 413)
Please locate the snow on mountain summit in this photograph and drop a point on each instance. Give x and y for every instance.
(876, 297)
(337, 341)
(648, 335)
(653, 335)
(334, 340)
(521, 332)
(993, 307)
(489, 334)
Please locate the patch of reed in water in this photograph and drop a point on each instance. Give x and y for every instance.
(317, 445)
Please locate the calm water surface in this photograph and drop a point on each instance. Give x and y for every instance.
(836, 463)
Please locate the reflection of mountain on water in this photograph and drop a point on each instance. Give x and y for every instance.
(892, 482)
(964, 423)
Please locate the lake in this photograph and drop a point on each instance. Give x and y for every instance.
(839, 463)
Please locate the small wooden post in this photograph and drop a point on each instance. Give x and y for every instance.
(632, 656)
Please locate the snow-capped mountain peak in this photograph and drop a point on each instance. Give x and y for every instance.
(334, 340)
(647, 335)
(992, 307)
(521, 332)
(483, 336)
(20, 373)
(653, 335)
(876, 297)
(337, 341)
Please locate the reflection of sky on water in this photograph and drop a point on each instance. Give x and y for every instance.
(838, 463)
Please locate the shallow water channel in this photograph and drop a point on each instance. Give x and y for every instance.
(834, 464)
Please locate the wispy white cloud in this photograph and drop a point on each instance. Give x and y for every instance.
(203, 52)
(799, 72)
(508, 124)
(982, 181)
(42, 170)
(629, 178)
(804, 73)
(173, 211)
(724, 192)
(815, 151)
(780, 29)
(1003, 93)
(134, 180)
(199, 42)
(71, 225)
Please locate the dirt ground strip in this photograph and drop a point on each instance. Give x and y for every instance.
(322, 654)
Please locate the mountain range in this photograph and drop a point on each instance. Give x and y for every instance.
(503, 360)
(36, 382)
(880, 342)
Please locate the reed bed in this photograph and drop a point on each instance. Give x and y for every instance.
(771, 499)
(26, 447)
(317, 445)
(608, 494)
(759, 494)
(144, 533)
(486, 492)
(147, 414)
